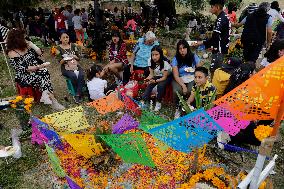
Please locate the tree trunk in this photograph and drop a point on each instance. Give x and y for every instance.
(166, 8)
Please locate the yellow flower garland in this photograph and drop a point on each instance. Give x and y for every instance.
(262, 132)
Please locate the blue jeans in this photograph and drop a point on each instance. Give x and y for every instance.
(161, 88)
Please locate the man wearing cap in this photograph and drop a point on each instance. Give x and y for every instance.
(221, 32)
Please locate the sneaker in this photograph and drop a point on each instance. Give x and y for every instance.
(76, 99)
(177, 114)
(158, 106)
(57, 106)
(45, 98)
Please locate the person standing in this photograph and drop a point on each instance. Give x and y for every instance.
(257, 31)
(221, 32)
(68, 13)
(77, 21)
(61, 25)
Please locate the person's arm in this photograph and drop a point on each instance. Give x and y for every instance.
(280, 17)
(151, 74)
(269, 31)
(269, 36)
(132, 58)
(191, 98)
(55, 25)
(165, 76)
(66, 24)
(111, 55)
(34, 47)
(178, 79)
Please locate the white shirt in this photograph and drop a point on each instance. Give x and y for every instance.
(157, 71)
(275, 15)
(77, 20)
(96, 88)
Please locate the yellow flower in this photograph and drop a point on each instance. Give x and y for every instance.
(19, 98)
(13, 106)
(28, 100)
(262, 132)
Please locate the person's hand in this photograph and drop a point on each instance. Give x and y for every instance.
(184, 89)
(112, 62)
(198, 43)
(32, 68)
(152, 81)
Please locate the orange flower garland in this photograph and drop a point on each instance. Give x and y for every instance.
(262, 132)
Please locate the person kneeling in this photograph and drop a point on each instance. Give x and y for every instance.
(160, 71)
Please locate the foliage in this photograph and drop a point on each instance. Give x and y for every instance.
(195, 5)
(37, 41)
(6, 84)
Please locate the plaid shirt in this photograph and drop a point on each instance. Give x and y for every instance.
(118, 56)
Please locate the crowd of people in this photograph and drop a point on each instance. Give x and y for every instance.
(185, 73)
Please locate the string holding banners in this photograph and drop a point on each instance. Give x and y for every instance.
(107, 104)
(130, 147)
(69, 120)
(259, 97)
(84, 145)
(189, 132)
(227, 120)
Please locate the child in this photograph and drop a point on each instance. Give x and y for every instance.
(160, 71)
(96, 85)
(206, 89)
(77, 21)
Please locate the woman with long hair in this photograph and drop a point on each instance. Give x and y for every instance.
(184, 64)
(70, 67)
(117, 55)
(160, 71)
(29, 70)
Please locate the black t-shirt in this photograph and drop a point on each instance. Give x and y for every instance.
(221, 35)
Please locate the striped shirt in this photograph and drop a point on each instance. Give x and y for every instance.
(3, 33)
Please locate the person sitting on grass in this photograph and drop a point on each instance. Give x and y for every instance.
(222, 75)
(73, 71)
(117, 55)
(96, 85)
(160, 71)
(202, 86)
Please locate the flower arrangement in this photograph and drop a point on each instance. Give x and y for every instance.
(214, 175)
(22, 107)
(236, 49)
(262, 132)
(53, 51)
(22, 103)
